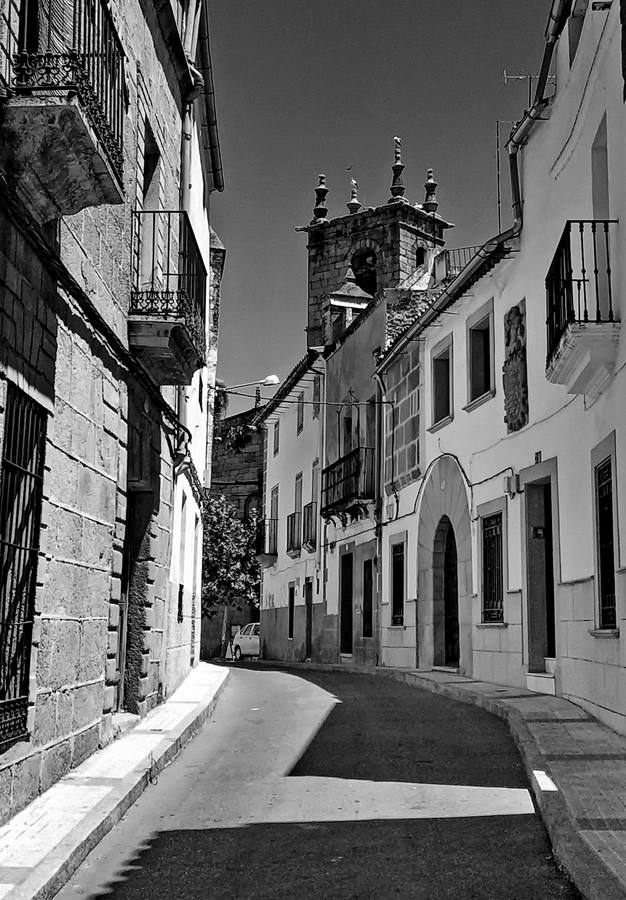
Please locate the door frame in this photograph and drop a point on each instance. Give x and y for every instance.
(540, 472)
(347, 551)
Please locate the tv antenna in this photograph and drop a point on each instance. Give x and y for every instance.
(529, 77)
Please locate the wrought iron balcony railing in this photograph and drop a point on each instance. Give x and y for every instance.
(170, 276)
(294, 533)
(449, 263)
(267, 537)
(579, 287)
(349, 481)
(309, 526)
(68, 47)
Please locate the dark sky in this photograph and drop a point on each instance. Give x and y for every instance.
(309, 86)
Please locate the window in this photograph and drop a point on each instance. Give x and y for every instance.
(480, 358)
(364, 268)
(291, 610)
(397, 584)
(297, 507)
(605, 544)
(368, 590)
(442, 382)
(20, 517)
(276, 437)
(492, 574)
(346, 431)
(370, 423)
(315, 480)
(181, 556)
(317, 396)
(300, 412)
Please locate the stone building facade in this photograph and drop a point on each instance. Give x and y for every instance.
(104, 320)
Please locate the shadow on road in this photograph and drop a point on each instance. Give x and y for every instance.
(390, 859)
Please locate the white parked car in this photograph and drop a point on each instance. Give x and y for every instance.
(247, 640)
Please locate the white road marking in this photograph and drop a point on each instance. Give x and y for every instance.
(544, 781)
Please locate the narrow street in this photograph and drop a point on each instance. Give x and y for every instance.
(316, 785)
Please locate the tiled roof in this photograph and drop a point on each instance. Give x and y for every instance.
(404, 307)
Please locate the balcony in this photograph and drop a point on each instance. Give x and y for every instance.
(62, 79)
(167, 308)
(348, 485)
(582, 334)
(309, 526)
(450, 263)
(294, 534)
(267, 541)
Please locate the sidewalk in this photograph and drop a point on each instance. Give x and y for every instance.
(576, 768)
(42, 845)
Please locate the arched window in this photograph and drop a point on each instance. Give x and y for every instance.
(364, 268)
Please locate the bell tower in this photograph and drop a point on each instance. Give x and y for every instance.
(382, 245)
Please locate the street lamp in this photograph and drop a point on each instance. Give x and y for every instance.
(268, 381)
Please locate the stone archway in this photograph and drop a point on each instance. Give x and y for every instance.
(444, 545)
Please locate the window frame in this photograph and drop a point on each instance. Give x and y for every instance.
(446, 345)
(486, 511)
(300, 413)
(276, 436)
(291, 609)
(600, 454)
(369, 632)
(484, 313)
(397, 618)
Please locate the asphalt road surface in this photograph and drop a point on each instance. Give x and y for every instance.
(315, 785)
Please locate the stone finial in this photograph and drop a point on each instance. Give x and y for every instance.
(320, 210)
(430, 203)
(354, 204)
(397, 185)
(349, 276)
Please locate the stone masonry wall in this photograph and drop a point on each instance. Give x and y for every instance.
(49, 349)
(238, 474)
(392, 232)
(402, 427)
(55, 357)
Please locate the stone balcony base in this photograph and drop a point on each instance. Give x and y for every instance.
(166, 349)
(585, 357)
(56, 162)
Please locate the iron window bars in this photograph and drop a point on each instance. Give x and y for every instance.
(65, 48)
(579, 285)
(493, 580)
(170, 275)
(21, 483)
(350, 478)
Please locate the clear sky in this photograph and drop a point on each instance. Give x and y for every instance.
(309, 86)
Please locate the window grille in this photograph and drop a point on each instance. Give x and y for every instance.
(368, 593)
(21, 482)
(397, 584)
(492, 568)
(606, 555)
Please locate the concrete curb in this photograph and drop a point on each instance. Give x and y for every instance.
(57, 867)
(587, 870)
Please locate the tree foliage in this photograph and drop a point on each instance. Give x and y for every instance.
(231, 573)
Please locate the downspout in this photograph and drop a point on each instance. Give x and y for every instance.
(385, 402)
(557, 17)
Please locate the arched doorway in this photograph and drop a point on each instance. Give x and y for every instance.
(450, 601)
(445, 596)
(444, 565)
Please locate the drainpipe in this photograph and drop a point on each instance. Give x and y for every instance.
(559, 12)
(385, 402)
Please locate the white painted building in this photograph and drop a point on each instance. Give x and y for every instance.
(514, 530)
(292, 615)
